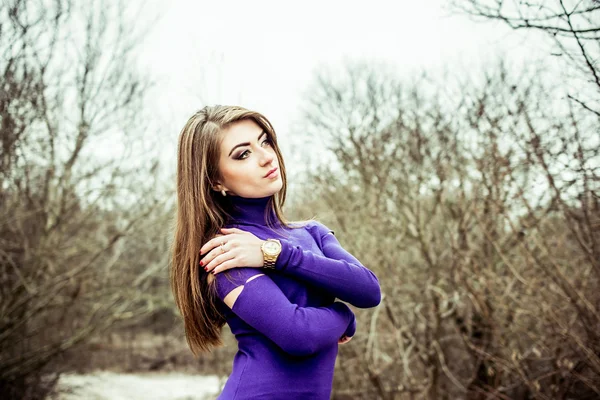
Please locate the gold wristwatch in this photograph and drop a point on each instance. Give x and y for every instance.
(270, 249)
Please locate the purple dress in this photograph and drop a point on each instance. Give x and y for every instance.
(287, 322)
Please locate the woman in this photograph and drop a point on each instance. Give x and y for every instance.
(237, 260)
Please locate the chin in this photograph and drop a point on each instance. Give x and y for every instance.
(258, 194)
(260, 190)
(272, 192)
(279, 185)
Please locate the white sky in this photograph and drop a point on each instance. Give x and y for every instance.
(262, 54)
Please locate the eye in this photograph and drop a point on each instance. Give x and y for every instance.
(243, 155)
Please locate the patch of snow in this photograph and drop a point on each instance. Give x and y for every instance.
(159, 386)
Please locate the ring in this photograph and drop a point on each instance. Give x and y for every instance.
(222, 247)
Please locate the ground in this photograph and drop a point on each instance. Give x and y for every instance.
(113, 386)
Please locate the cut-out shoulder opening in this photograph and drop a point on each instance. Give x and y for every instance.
(232, 296)
(253, 277)
(235, 293)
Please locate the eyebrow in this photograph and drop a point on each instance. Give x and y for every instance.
(246, 143)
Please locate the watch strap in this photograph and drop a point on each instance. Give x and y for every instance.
(270, 259)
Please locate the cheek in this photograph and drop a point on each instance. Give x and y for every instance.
(235, 175)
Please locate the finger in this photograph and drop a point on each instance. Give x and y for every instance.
(216, 251)
(211, 244)
(231, 230)
(344, 339)
(214, 263)
(208, 246)
(231, 263)
(211, 255)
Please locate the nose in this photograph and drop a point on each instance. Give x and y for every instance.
(266, 157)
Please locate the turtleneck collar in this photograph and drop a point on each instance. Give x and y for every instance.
(250, 210)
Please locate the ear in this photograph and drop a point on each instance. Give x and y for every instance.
(218, 187)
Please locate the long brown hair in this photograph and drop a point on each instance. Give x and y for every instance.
(200, 215)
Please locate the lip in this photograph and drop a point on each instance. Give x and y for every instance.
(271, 173)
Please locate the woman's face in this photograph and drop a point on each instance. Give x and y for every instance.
(247, 156)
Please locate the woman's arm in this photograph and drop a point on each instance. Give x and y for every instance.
(299, 331)
(336, 271)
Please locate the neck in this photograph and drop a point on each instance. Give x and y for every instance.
(250, 210)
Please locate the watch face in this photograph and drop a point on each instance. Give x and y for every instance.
(271, 247)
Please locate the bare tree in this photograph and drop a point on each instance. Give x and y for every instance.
(76, 182)
(380, 192)
(479, 211)
(572, 25)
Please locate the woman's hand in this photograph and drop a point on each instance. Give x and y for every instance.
(234, 248)
(344, 339)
